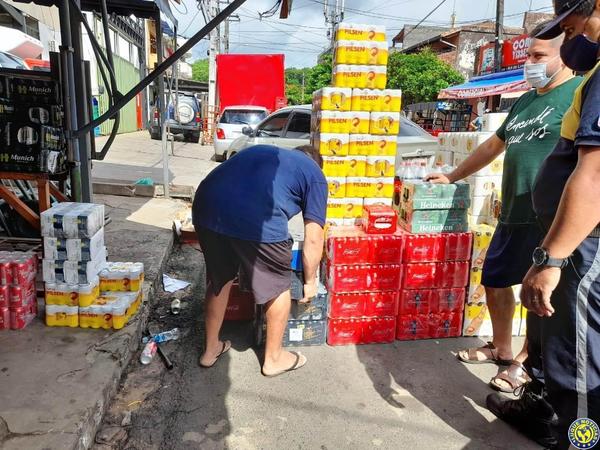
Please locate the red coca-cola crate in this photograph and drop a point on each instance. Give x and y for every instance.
(349, 278)
(379, 330)
(420, 248)
(386, 249)
(240, 305)
(449, 300)
(379, 219)
(4, 318)
(4, 296)
(445, 325)
(385, 277)
(6, 271)
(22, 295)
(344, 331)
(24, 269)
(413, 327)
(381, 304)
(21, 317)
(419, 276)
(349, 248)
(457, 246)
(416, 301)
(452, 274)
(347, 305)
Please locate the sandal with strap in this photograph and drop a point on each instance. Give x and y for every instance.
(469, 356)
(515, 376)
(225, 349)
(298, 363)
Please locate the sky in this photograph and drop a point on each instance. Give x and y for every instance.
(303, 36)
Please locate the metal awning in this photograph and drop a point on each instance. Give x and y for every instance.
(494, 84)
(143, 9)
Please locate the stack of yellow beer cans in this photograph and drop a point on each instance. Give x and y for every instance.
(355, 124)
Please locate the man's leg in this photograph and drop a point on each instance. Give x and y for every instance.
(277, 359)
(215, 307)
(501, 304)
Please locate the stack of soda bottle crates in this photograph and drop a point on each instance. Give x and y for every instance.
(355, 124)
(82, 289)
(18, 293)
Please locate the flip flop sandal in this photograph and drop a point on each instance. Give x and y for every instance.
(225, 349)
(471, 356)
(515, 376)
(297, 365)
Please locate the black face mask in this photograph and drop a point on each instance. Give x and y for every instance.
(579, 53)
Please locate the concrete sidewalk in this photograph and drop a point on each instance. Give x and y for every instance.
(55, 383)
(134, 155)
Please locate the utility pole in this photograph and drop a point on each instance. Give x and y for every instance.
(499, 35)
(333, 16)
(226, 36)
(213, 10)
(453, 16)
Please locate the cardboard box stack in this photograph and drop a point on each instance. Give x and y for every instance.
(18, 293)
(363, 275)
(355, 124)
(81, 288)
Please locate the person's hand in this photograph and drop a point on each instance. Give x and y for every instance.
(437, 178)
(310, 292)
(538, 285)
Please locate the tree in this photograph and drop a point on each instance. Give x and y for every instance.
(320, 75)
(200, 70)
(421, 76)
(295, 85)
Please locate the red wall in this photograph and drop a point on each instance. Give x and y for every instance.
(257, 80)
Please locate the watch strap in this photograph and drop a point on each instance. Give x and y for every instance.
(556, 262)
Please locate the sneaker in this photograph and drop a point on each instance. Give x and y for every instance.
(531, 414)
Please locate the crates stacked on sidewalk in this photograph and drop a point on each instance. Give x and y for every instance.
(355, 124)
(363, 272)
(81, 288)
(18, 294)
(477, 320)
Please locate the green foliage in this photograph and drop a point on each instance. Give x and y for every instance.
(314, 79)
(200, 70)
(421, 76)
(320, 75)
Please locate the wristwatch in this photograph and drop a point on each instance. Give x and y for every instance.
(541, 258)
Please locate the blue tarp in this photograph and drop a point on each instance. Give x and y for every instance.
(483, 86)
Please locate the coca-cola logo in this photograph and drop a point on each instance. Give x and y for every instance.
(351, 252)
(345, 334)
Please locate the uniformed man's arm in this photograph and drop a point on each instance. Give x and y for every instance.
(312, 253)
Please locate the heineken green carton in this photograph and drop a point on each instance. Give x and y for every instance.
(426, 196)
(419, 221)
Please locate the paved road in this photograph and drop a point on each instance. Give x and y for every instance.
(134, 155)
(409, 395)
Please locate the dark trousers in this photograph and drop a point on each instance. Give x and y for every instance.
(564, 350)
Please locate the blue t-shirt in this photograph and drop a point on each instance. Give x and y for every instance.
(253, 195)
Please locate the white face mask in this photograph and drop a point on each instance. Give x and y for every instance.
(537, 74)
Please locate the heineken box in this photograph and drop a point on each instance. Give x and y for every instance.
(420, 195)
(433, 220)
(314, 310)
(297, 332)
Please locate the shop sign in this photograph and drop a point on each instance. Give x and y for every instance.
(514, 51)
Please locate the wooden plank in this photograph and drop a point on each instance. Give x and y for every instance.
(58, 194)
(43, 195)
(23, 176)
(25, 211)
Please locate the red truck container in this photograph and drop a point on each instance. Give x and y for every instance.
(257, 80)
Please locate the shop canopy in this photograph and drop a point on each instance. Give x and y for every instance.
(483, 86)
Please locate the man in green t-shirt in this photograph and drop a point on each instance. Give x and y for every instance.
(527, 136)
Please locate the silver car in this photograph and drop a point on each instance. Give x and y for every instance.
(290, 127)
(229, 127)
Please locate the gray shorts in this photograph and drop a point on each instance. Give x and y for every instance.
(265, 266)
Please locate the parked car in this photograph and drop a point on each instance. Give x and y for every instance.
(290, 127)
(229, 127)
(10, 61)
(189, 123)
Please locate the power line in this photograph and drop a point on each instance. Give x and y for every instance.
(425, 18)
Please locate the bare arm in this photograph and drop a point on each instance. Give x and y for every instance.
(578, 212)
(481, 157)
(312, 253)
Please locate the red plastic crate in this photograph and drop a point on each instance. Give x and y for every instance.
(457, 246)
(240, 305)
(419, 276)
(381, 304)
(379, 330)
(345, 331)
(449, 300)
(379, 219)
(445, 325)
(347, 305)
(452, 274)
(416, 301)
(413, 327)
(419, 248)
(386, 249)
